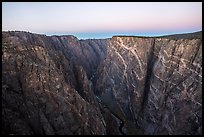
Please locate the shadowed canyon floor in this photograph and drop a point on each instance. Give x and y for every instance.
(60, 85)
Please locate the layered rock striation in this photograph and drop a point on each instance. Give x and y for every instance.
(155, 82)
(123, 85)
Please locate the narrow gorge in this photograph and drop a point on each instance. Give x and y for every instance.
(124, 85)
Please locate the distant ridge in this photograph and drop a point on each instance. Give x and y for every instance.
(193, 35)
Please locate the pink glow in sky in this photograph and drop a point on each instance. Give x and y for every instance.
(102, 17)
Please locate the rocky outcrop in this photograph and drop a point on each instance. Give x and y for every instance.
(43, 92)
(155, 82)
(123, 85)
(86, 53)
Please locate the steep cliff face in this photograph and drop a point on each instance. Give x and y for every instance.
(86, 53)
(155, 82)
(123, 85)
(43, 92)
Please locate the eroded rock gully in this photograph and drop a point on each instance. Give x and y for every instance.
(62, 85)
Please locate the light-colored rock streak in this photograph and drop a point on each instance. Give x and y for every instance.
(191, 97)
(154, 92)
(197, 65)
(183, 61)
(163, 81)
(196, 80)
(153, 103)
(125, 65)
(158, 77)
(131, 49)
(138, 77)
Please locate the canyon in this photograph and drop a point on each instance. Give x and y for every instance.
(124, 85)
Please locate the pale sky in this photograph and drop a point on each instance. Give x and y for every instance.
(102, 19)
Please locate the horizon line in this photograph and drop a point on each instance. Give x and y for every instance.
(112, 35)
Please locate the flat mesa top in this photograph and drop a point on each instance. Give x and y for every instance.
(194, 35)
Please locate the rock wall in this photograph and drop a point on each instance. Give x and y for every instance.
(43, 91)
(156, 82)
(123, 85)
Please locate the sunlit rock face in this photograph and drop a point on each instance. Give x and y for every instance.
(155, 82)
(59, 85)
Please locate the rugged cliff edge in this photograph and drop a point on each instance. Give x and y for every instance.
(122, 85)
(43, 90)
(156, 83)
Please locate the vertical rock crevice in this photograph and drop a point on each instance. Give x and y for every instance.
(149, 71)
(50, 82)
